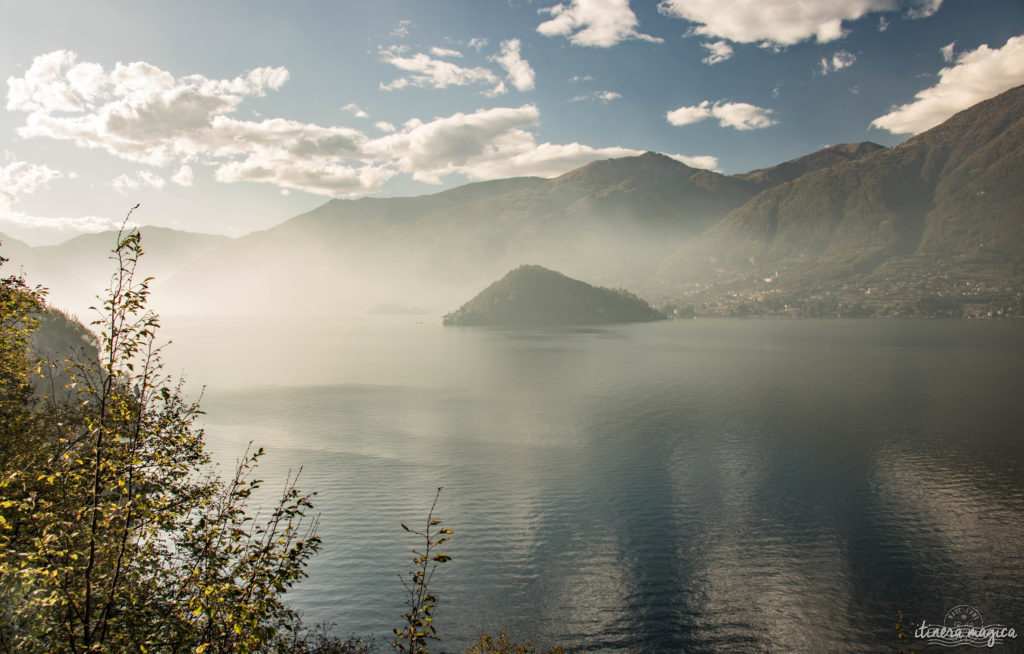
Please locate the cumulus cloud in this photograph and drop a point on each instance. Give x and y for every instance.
(136, 111)
(490, 144)
(184, 176)
(977, 75)
(772, 22)
(947, 52)
(434, 73)
(597, 23)
(883, 24)
(841, 59)
(520, 74)
(142, 114)
(478, 43)
(354, 109)
(738, 115)
(718, 51)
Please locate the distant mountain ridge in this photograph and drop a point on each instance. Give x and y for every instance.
(77, 269)
(953, 191)
(940, 213)
(790, 170)
(611, 221)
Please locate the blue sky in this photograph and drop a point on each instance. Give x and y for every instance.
(228, 117)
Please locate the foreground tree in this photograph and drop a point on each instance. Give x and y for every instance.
(115, 534)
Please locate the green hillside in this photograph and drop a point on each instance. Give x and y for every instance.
(536, 296)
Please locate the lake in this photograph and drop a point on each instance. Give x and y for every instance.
(703, 485)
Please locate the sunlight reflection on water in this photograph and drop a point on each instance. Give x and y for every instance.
(699, 485)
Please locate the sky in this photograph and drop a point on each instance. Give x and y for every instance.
(233, 116)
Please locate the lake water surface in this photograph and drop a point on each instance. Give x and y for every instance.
(705, 486)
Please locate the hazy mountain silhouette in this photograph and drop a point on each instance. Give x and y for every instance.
(532, 296)
(949, 199)
(610, 221)
(78, 269)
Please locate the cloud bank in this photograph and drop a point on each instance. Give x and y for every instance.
(977, 75)
(142, 114)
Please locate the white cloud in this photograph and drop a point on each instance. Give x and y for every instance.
(354, 109)
(477, 43)
(775, 22)
(401, 30)
(947, 52)
(706, 162)
(20, 178)
(457, 143)
(184, 176)
(598, 23)
(136, 111)
(604, 97)
(434, 73)
(738, 115)
(500, 89)
(151, 180)
(444, 52)
(124, 183)
(520, 74)
(841, 59)
(578, 79)
(923, 8)
(90, 224)
(883, 24)
(143, 114)
(689, 115)
(977, 75)
(310, 175)
(742, 116)
(718, 51)
(490, 144)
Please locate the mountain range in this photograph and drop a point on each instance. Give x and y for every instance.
(940, 214)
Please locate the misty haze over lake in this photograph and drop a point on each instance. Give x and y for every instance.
(698, 485)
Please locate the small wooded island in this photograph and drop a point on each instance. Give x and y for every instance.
(533, 296)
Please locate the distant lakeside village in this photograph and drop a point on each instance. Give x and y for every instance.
(901, 294)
